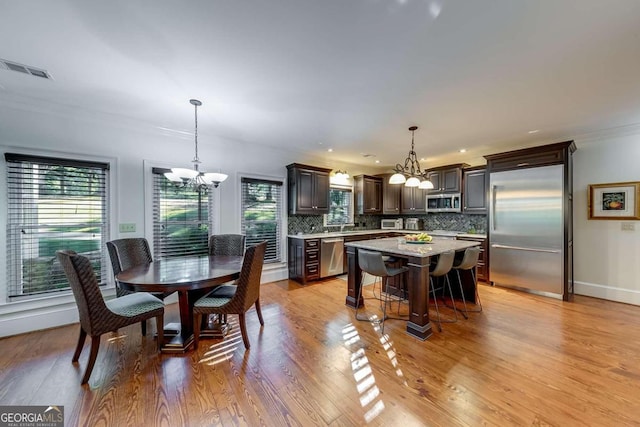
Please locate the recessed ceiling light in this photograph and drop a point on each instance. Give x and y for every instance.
(377, 161)
(534, 131)
(463, 150)
(423, 159)
(330, 150)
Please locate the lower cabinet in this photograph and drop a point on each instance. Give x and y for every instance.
(482, 270)
(304, 259)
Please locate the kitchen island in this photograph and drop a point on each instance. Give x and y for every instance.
(418, 258)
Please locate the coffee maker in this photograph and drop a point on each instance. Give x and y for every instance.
(413, 224)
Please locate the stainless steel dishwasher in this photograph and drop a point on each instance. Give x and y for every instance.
(331, 256)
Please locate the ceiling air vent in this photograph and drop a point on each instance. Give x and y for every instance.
(25, 69)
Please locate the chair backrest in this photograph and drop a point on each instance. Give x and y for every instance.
(470, 258)
(226, 244)
(127, 253)
(371, 262)
(248, 283)
(444, 264)
(84, 284)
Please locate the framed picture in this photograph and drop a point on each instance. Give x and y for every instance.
(614, 201)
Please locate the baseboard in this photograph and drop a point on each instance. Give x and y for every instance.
(627, 296)
(34, 320)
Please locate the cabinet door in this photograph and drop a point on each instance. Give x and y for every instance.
(373, 195)
(305, 181)
(434, 177)
(390, 197)
(475, 193)
(419, 200)
(451, 180)
(321, 192)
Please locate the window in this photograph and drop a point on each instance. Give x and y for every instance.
(181, 218)
(261, 212)
(340, 207)
(53, 204)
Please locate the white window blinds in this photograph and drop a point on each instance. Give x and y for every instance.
(181, 219)
(53, 204)
(262, 215)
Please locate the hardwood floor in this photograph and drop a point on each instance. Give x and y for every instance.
(525, 360)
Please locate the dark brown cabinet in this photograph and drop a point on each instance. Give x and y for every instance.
(391, 196)
(482, 269)
(475, 190)
(308, 189)
(304, 259)
(446, 179)
(368, 194)
(414, 200)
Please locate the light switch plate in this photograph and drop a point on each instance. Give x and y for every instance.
(129, 227)
(628, 226)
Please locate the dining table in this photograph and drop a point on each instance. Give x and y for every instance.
(191, 277)
(417, 257)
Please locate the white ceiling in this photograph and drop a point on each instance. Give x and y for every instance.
(352, 75)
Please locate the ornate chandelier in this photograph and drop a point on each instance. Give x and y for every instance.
(410, 174)
(194, 178)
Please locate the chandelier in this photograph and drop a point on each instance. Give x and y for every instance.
(194, 178)
(410, 174)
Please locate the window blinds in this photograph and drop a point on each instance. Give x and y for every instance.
(181, 219)
(262, 215)
(53, 204)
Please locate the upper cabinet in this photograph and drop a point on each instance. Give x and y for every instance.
(414, 200)
(308, 189)
(475, 190)
(368, 194)
(390, 196)
(446, 179)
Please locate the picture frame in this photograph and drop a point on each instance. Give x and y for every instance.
(618, 201)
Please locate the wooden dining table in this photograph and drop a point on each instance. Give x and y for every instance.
(191, 277)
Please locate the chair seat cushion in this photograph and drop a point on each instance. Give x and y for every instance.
(134, 304)
(395, 271)
(224, 291)
(216, 298)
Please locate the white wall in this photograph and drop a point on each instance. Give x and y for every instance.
(607, 259)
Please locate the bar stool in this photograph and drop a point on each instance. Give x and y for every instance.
(469, 262)
(442, 268)
(373, 263)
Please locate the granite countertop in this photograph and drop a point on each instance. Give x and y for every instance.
(398, 246)
(376, 231)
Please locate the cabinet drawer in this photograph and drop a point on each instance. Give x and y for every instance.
(312, 271)
(312, 256)
(312, 244)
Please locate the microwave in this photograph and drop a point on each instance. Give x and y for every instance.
(450, 202)
(391, 224)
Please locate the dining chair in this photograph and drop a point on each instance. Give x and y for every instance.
(226, 244)
(128, 253)
(235, 299)
(98, 316)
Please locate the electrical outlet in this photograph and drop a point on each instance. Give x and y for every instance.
(129, 227)
(628, 226)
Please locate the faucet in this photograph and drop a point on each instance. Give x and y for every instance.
(342, 227)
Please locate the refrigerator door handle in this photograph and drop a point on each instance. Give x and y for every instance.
(493, 207)
(551, 251)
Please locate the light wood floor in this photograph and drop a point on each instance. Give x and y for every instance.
(525, 360)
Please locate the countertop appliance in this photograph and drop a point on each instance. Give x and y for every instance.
(331, 256)
(526, 229)
(391, 224)
(446, 234)
(448, 202)
(413, 224)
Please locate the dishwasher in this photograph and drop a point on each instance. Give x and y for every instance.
(331, 256)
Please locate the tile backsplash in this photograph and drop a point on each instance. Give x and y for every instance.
(306, 224)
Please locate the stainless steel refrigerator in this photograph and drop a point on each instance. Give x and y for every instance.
(526, 229)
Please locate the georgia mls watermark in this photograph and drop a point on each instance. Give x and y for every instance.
(31, 416)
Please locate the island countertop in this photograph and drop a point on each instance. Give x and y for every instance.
(398, 246)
